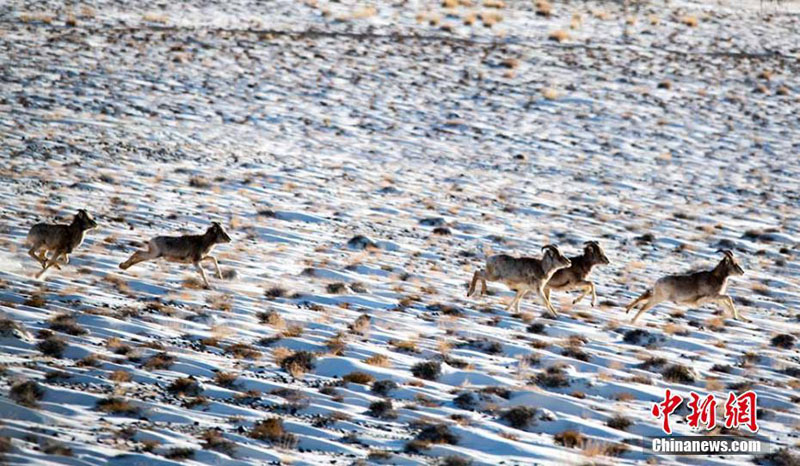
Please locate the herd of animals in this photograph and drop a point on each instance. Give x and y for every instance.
(553, 271)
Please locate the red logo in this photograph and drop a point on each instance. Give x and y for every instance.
(665, 408)
(702, 412)
(739, 410)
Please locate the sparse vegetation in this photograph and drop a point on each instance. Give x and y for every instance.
(619, 422)
(783, 340)
(52, 346)
(214, 440)
(27, 393)
(382, 409)
(519, 417)
(378, 360)
(116, 405)
(437, 433)
(552, 377)
(299, 363)
(428, 370)
(384, 387)
(160, 361)
(272, 430)
(225, 379)
(185, 386)
(243, 351)
(678, 373)
(570, 439)
(358, 377)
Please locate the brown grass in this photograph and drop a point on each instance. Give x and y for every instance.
(543, 8)
(243, 351)
(690, 20)
(490, 18)
(378, 360)
(155, 17)
(406, 346)
(120, 376)
(358, 377)
(559, 35)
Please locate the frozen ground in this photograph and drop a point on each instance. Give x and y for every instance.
(665, 132)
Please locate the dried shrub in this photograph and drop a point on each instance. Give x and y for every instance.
(214, 440)
(383, 387)
(467, 401)
(428, 370)
(619, 422)
(116, 405)
(179, 453)
(120, 376)
(225, 379)
(379, 360)
(570, 439)
(271, 318)
(519, 417)
(10, 328)
(437, 433)
(160, 361)
(537, 328)
(243, 351)
(272, 430)
(678, 373)
(299, 363)
(552, 377)
(454, 460)
(783, 340)
(52, 346)
(66, 323)
(358, 377)
(35, 300)
(52, 447)
(360, 326)
(276, 292)
(185, 386)
(27, 393)
(382, 409)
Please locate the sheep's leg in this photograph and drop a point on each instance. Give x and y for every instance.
(514, 301)
(41, 260)
(547, 302)
(473, 284)
(727, 302)
(216, 265)
(55, 257)
(139, 256)
(50, 263)
(587, 288)
(202, 274)
(647, 306)
(644, 297)
(524, 292)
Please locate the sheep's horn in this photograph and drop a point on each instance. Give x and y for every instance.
(727, 252)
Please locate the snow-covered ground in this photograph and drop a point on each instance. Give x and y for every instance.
(441, 132)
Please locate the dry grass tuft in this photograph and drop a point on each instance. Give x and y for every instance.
(543, 8)
(155, 17)
(559, 35)
(689, 20)
(378, 360)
